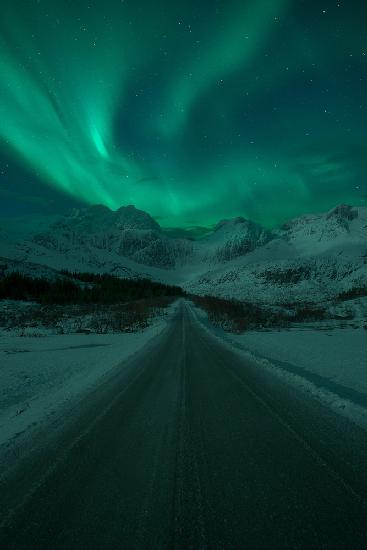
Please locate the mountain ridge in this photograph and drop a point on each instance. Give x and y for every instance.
(308, 258)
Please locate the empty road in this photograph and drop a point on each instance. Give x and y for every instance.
(190, 446)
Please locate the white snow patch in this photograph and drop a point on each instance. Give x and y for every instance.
(41, 376)
(339, 355)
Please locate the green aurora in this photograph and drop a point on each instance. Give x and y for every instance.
(192, 111)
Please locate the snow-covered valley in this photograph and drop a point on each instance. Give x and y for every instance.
(311, 258)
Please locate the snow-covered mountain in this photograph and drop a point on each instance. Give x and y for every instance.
(312, 257)
(126, 232)
(341, 227)
(234, 238)
(127, 242)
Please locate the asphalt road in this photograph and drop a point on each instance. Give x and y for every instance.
(191, 446)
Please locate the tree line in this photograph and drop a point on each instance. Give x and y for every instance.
(82, 288)
(235, 316)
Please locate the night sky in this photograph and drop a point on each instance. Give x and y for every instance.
(192, 110)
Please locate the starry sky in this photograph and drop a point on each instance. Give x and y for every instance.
(192, 110)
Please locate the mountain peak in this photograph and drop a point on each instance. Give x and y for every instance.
(231, 222)
(343, 211)
(130, 217)
(98, 208)
(99, 218)
(128, 207)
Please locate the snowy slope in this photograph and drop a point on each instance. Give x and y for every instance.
(341, 229)
(232, 239)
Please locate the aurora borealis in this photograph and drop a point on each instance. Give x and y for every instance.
(192, 111)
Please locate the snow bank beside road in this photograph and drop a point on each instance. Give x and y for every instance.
(339, 355)
(331, 364)
(40, 376)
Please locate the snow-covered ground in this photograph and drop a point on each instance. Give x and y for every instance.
(40, 376)
(329, 362)
(336, 355)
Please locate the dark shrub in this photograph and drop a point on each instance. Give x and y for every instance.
(236, 316)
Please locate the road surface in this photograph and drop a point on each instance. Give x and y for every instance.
(190, 446)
